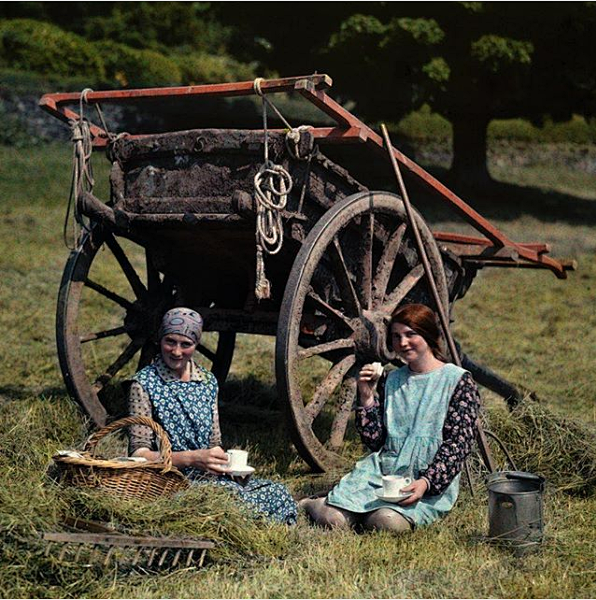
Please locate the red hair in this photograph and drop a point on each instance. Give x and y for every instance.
(423, 321)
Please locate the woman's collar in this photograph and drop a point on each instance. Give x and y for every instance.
(413, 373)
(197, 373)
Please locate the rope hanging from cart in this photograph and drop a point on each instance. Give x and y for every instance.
(494, 249)
(82, 180)
(82, 172)
(272, 185)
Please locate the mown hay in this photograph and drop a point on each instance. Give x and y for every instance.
(203, 511)
(32, 504)
(543, 442)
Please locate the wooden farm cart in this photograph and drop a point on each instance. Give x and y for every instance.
(260, 232)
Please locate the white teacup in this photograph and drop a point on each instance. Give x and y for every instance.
(393, 484)
(237, 460)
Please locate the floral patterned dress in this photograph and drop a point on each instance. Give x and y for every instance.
(187, 410)
(424, 427)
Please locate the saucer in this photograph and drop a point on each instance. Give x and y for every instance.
(69, 454)
(242, 472)
(402, 496)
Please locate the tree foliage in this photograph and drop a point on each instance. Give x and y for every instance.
(198, 67)
(160, 26)
(472, 62)
(30, 45)
(131, 67)
(496, 53)
(156, 25)
(283, 37)
(126, 44)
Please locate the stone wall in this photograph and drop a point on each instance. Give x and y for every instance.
(22, 114)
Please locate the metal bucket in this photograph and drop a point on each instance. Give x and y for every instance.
(515, 509)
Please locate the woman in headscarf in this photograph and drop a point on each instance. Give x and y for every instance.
(182, 397)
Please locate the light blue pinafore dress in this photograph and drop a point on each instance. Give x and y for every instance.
(415, 410)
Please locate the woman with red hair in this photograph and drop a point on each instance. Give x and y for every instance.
(420, 424)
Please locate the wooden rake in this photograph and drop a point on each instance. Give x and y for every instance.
(104, 544)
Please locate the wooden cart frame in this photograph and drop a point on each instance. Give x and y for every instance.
(348, 259)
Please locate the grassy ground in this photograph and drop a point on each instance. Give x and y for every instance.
(534, 329)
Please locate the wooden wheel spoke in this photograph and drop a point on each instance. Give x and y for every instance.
(84, 366)
(206, 352)
(347, 397)
(405, 285)
(356, 264)
(385, 266)
(340, 344)
(100, 289)
(148, 353)
(125, 356)
(153, 280)
(98, 335)
(365, 268)
(342, 277)
(136, 284)
(325, 388)
(327, 309)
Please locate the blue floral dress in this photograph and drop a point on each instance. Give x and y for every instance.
(187, 411)
(415, 411)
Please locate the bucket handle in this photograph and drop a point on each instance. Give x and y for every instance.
(525, 476)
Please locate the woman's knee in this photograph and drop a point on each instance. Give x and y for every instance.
(327, 516)
(385, 519)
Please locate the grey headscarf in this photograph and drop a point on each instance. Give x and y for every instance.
(182, 321)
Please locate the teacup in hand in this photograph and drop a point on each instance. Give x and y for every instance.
(394, 484)
(237, 460)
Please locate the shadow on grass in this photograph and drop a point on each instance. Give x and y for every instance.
(252, 416)
(21, 392)
(504, 201)
(493, 200)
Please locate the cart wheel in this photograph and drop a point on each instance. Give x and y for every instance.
(355, 267)
(100, 330)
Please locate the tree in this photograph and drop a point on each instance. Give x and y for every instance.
(159, 26)
(285, 37)
(472, 62)
(122, 44)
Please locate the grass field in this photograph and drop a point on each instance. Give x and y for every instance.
(527, 325)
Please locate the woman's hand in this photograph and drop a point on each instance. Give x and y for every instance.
(214, 460)
(419, 487)
(367, 382)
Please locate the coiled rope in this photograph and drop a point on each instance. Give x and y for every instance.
(272, 185)
(82, 169)
(82, 172)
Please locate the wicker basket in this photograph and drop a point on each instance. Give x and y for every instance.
(129, 480)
